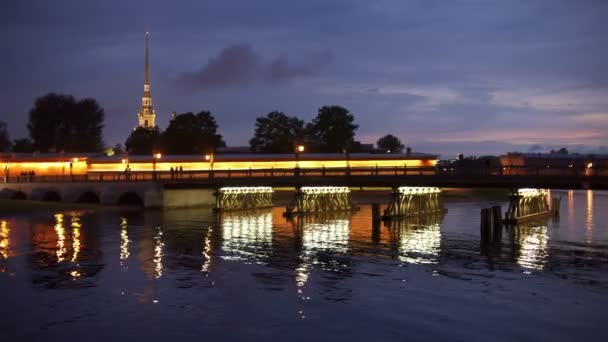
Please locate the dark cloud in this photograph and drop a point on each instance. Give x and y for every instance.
(240, 64)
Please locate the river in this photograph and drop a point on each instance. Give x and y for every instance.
(115, 275)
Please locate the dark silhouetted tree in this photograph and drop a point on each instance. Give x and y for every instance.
(5, 141)
(23, 145)
(390, 143)
(276, 133)
(332, 130)
(191, 133)
(60, 123)
(143, 140)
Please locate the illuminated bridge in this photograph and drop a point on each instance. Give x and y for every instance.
(171, 181)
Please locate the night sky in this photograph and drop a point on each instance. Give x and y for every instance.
(470, 76)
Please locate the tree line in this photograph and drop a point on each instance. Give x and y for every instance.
(61, 123)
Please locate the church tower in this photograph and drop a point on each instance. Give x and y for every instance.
(146, 114)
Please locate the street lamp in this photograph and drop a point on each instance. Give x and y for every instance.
(6, 172)
(209, 158)
(155, 157)
(299, 149)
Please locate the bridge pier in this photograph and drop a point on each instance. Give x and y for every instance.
(414, 201)
(529, 204)
(316, 199)
(237, 198)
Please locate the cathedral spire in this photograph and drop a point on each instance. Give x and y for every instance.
(147, 77)
(146, 114)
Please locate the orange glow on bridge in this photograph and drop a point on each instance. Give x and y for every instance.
(80, 165)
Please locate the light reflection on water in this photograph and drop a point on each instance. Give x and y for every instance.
(325, 233)
(124, 241)
(419, 240)
(4, 239)
(247, 236)
(60, 231)
(158, 253)
(315, 259)
(532, 242)
(589, 220)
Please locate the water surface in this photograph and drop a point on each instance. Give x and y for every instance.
(253, 276)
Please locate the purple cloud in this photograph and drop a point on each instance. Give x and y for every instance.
(240, 64)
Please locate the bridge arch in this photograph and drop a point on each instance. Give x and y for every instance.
(51, 196)
(131, 198)
(18, 195)
(88, 196)
(13, 194)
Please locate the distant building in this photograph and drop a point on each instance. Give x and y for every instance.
(554, 163)
(557, 160)
(146, 115)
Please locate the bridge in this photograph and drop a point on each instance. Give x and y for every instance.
(194, 188)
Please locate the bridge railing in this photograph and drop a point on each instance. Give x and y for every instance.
(167, 175)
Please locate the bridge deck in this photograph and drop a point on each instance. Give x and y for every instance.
(360, 177)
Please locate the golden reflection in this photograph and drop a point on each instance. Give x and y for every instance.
(247, 234)
(532, 242)
(589, 217)
(319, 233)
(158, 253)
(60, 232)
(4, 239)
(571, 208)
(124, 241)
(75, 236)
(326, 234)
(207, 251)
(419, 239)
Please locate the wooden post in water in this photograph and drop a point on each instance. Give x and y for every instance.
(496, 223)
(485, 229)
(496, 216)
(555, 202)
(376, 222)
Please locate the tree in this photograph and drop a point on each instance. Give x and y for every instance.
(60, 123)
(5, 141)
(390, 143)
(23, 145)
(332, 130)
(143, 140)
(562, 150)
(276, 133)
(191, 133)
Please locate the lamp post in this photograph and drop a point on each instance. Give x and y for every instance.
(299, 149)
(125, 161)
(6, 172)
(347, 157)
(209, 158)
(155, 157)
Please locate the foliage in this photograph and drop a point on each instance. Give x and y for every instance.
(60, 123)
(390, 143)
(562, 150)
(5, 142)
(190, 133)
(332, 130)
(143, 140)
(23, 145)
(276, 133)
